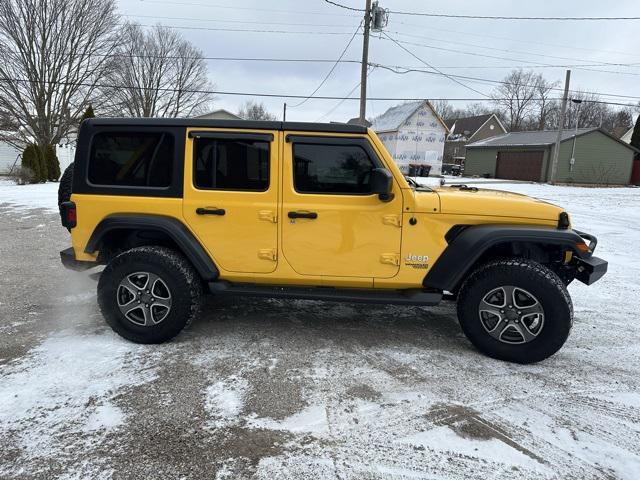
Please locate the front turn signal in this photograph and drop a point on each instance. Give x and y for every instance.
(583, 247)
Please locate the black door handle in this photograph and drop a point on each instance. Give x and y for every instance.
(210, 211)
(311, 215)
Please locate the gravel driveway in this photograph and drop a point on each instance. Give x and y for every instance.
(275, 389)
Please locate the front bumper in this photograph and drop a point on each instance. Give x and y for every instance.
(68, 259)
(590, 269)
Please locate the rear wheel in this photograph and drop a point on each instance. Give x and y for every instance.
(149, 294)
(65, 188)
(516, 310)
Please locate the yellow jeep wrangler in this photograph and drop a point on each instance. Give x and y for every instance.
(175, 208)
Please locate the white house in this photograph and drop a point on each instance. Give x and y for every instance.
(220, 114)
(414, 135)
(11, 157)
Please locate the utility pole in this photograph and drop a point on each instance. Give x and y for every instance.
(284, 112)
(575, 134)
(563, 111)
(365, 64)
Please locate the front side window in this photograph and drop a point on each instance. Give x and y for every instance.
(231, 164)
(132, 159)
(340, 169)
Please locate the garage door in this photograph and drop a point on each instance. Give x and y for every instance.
(635, 173)
(520, 165)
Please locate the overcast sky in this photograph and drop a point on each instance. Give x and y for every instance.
(457, 46)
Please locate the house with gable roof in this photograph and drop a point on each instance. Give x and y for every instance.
(463, 131)
(414, 135)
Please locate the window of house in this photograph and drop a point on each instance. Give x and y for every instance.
(231, 164)
(132, 159)
(339, 169)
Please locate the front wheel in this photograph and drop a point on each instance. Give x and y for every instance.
(149, 294)
(516, 310)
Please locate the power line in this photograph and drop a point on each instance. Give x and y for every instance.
(518, 40)
(289, 24)
(484, 17)
(346, 97)
(253, 9)
(505, 17)
(405, 70)
(292, 24)
(511, 39)
(329, 60)
(538, 64)
(247, 30)
(484, 55)
(344, 51)
(509, 50)
(344, 6)
(276, 95)
(432, 67)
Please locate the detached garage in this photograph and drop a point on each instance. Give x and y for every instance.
(598, 157)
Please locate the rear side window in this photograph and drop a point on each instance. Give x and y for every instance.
(222, 164)
(132, 159)
(341, 169)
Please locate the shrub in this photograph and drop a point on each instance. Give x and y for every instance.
(52, 163)
(22, 175)
(32, 159)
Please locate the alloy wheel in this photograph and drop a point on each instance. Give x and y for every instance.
(144, 298)
(511, 314)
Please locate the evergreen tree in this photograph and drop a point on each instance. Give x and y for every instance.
(88, 113)
(635, 136)
(51, 162)
(32, 159)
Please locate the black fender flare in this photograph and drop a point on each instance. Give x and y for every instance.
(466, 248)
(174, 228)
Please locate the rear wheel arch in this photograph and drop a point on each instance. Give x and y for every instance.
(118, 233)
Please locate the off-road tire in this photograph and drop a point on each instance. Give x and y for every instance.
(65, 187)
(176, 272)
(542, 283)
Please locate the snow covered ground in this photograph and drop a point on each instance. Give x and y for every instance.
(275, 389)
(29, 196)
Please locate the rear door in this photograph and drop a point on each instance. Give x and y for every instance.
(231, 196)
(332, 224)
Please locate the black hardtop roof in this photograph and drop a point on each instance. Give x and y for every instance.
(244, 124)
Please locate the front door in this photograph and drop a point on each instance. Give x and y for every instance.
(231, 197)
(332, 224)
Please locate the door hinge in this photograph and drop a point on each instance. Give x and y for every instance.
(268, 254)
(268, 215)
(394, 220)
(390, 259)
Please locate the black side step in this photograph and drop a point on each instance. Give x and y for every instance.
(352, 295)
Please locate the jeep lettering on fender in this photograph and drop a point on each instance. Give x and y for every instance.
(176, 208)
(417, 261)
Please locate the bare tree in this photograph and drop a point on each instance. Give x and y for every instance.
(157, 73)
(255, 111)
(53, 53)
(444, 109)
(545, 101)
(516, 97)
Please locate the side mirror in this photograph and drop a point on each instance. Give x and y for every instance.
(381, 183)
